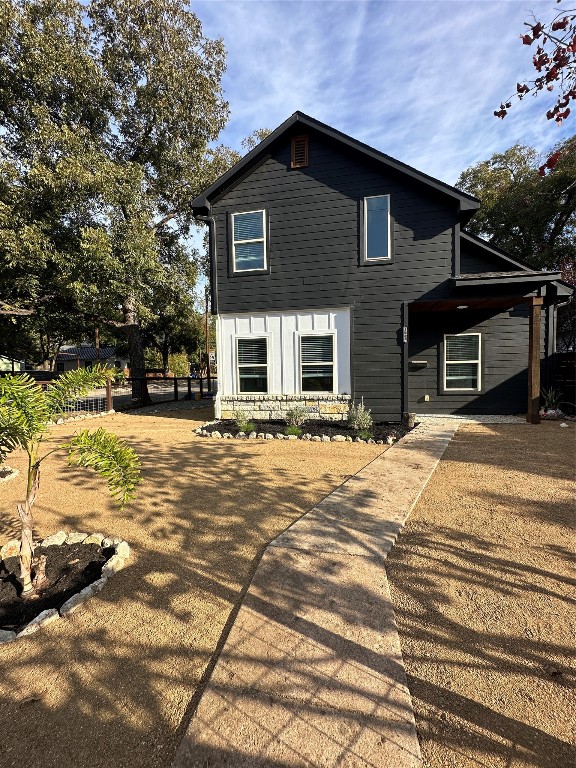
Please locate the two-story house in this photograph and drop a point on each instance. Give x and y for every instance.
(339, 273)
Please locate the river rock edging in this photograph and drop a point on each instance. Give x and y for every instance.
(113, 565)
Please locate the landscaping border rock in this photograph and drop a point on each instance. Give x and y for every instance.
(7, 473)
(81, 417)
(113, 565)
(397, 432)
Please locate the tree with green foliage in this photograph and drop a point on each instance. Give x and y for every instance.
(531, 217)
(25, 413)
(107, 111)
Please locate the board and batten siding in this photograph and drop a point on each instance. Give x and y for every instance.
(282, 331)
(313, 220)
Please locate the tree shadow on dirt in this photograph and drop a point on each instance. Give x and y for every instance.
(433, 570)
(116, 683)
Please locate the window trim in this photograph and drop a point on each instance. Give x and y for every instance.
(263, 239)
(364, 260)
(252, 336)
(333, 333)
(446, 363)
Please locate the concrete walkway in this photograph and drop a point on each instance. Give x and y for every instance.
(312, 672)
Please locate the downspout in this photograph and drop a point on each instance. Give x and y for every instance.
(213, 278)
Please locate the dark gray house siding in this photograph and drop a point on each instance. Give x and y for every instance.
(504, 360)
(314, 229)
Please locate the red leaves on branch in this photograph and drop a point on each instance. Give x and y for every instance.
(555, 62)
(549, 164)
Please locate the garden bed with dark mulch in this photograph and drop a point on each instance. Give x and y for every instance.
(69, 568)
(315, 428)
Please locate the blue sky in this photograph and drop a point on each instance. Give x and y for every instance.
(417, 79)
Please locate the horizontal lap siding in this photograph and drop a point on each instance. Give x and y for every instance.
(313, 251)
(504, 362)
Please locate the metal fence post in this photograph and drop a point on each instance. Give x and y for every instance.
(108, 395)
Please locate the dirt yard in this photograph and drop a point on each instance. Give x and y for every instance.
(483, 594)
(113, 686)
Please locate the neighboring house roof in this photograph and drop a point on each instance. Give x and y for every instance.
(84, 352)
(468, 204)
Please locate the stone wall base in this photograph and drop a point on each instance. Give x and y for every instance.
(272, 407)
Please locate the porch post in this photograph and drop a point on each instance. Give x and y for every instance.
(533, 412)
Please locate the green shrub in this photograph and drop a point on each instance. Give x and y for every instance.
(551, 398)
(365, 434)
(359, 417)
(243, 423)
(292, 429)
(296, 416)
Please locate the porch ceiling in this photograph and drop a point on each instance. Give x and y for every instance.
(467, 302)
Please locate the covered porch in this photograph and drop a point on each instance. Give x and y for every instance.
(485, 346)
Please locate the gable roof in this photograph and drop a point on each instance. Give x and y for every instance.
(85, 352)
(492, 250)
(201, 205)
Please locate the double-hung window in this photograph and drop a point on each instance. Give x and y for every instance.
(317, 363)
(249, 241)
(462, 362)
(252, 356)
(377, 246)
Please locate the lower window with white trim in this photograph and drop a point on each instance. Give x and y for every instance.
(462, 357)
(252, 356)
(317, 363)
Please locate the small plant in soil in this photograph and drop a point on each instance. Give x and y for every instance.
(296, 417)
(364, 434)
(25, 410)
(359, 418)
(243, 424)
(292, 429)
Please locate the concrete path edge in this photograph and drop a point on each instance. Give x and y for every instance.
(311, 673)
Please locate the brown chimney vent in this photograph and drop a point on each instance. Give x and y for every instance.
(299, 152)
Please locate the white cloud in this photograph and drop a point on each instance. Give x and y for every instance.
(418, 80)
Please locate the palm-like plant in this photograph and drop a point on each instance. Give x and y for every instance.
(25, 411)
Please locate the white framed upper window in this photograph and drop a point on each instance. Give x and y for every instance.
(462, 362)
(252, 365)
(249, 241)
(377, 243)
(317, 363)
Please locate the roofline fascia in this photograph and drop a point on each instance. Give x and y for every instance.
(202, 202)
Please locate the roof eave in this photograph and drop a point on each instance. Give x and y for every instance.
(468, 203)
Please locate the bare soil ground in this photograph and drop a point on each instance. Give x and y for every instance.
(113, 685)
(483, 594)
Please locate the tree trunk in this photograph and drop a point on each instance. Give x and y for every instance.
(133, 331)
(26, 537)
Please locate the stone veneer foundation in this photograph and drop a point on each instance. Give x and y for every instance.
(271, 407)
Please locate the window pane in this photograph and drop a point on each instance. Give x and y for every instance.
(317, 378)
(252, 352)
(248, 226)
(317, 349)
(377, 227)
(253, 379)
(249, 256)
(462, 347)
(462, 376)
